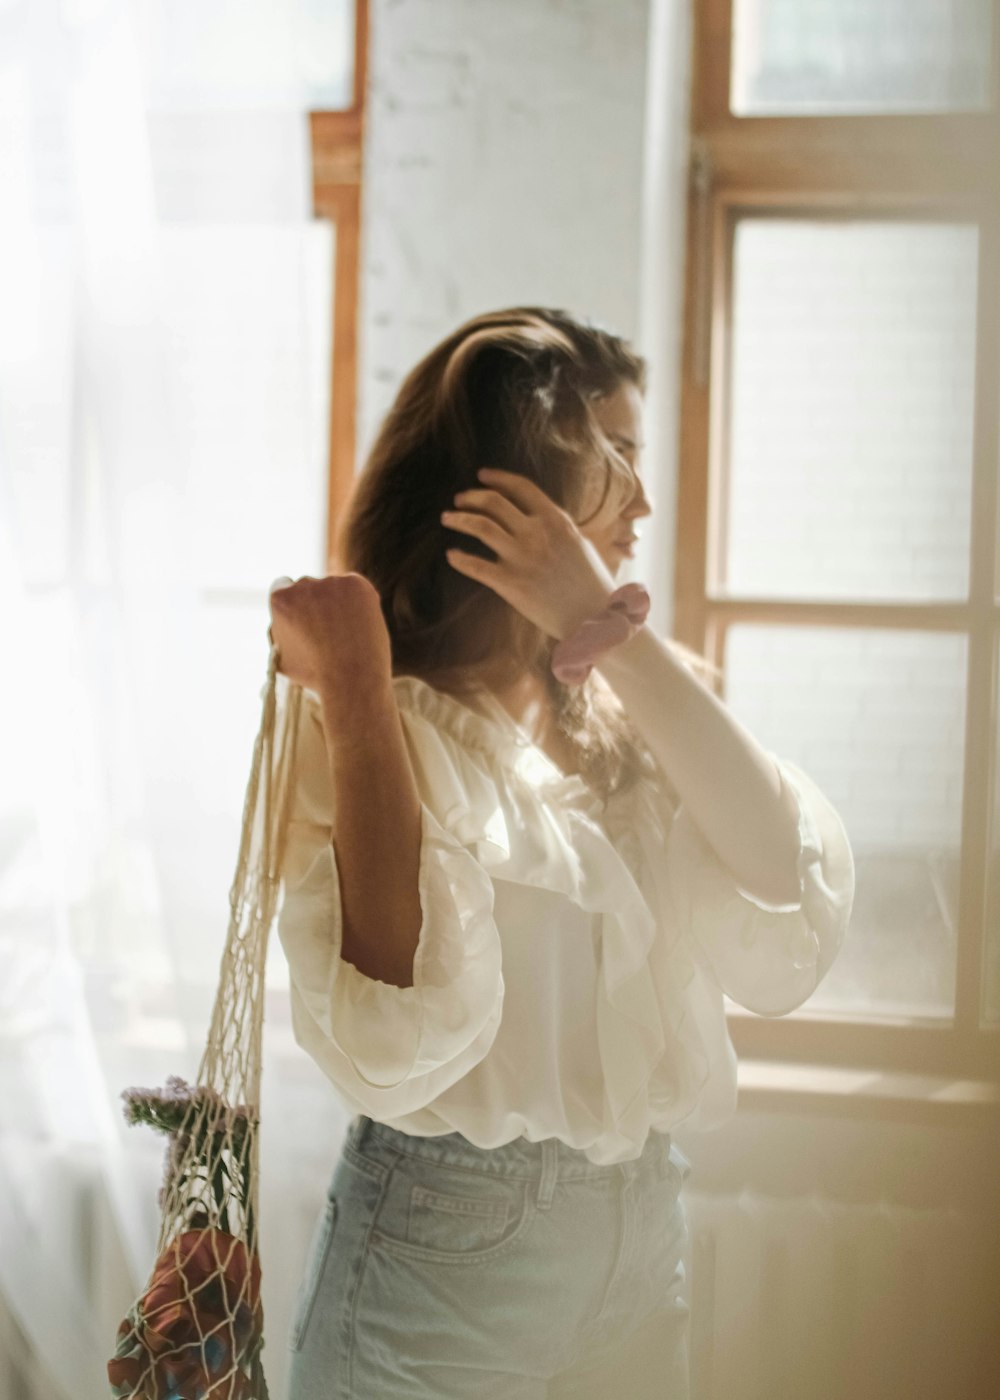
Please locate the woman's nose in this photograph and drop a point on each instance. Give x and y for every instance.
(640, 503)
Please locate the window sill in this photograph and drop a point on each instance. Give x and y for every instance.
(769, 1086)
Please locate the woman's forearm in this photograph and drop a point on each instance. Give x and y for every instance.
(723, 776)
(376, 833)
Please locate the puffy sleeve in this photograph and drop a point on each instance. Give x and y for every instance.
(390, 1050)
(768, 958)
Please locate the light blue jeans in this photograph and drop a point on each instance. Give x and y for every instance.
(440, 1269)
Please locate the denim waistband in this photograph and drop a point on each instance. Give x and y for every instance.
(549, 1157)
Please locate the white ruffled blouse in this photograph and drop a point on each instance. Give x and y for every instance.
(573, 955)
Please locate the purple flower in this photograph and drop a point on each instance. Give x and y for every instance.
(177, 1148)
(179, 1105)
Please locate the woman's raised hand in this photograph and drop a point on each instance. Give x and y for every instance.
(332, 638)
(545, 568)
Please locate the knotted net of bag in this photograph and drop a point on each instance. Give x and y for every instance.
(197, 1330)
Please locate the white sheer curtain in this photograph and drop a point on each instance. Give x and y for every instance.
(164, 361)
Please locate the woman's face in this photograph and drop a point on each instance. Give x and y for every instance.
(612, 532)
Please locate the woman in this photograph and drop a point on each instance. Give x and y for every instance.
(513, 903)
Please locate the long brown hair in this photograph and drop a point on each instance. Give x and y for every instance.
(510, 389)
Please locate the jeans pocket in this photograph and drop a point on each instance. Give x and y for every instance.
(445, 1220)
(319, 1254)
(431, 1211)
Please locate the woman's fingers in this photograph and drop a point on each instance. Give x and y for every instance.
(544, 568)
(331, 628)
(484, 571)
(524, 493)
(482, 526)
(492, 503)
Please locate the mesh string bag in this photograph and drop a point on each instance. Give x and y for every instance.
(196, 1333)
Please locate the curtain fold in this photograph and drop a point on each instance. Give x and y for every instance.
(164, 361)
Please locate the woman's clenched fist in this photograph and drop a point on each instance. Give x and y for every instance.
(331, 638)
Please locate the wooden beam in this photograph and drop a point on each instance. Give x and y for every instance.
(904, 1046)
(337, 139)
(692, 476)
(807, 612)
(712, 54)
(854, 155)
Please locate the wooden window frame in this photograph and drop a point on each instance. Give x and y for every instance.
(940, 165)
(337, 146)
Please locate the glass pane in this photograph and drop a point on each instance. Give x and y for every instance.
(851, 409)
(828, 56)
(247, 54)
(877, 720)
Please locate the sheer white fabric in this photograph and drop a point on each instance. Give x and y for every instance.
(573, 955)
(164, 360)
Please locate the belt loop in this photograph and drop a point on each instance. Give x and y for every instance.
(550, 1173)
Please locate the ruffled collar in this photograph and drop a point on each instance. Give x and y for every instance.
(496, 734)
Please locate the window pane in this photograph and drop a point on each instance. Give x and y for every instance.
(247, 54)
(851, 409)
(876, 719)
(860, 56)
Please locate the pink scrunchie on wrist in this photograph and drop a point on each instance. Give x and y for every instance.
(625, 612)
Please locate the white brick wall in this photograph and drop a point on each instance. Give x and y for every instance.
(503, 165)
